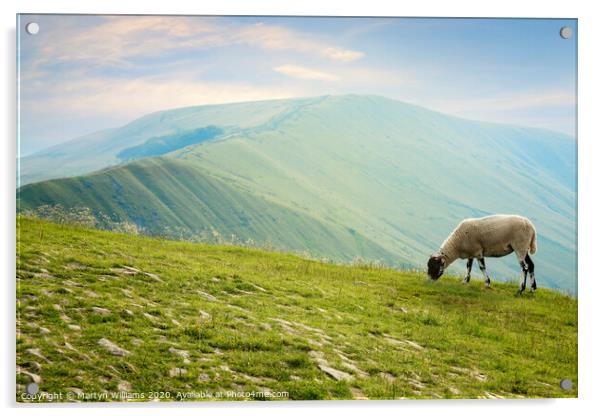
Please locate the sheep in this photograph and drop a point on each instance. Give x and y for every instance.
(491, 236)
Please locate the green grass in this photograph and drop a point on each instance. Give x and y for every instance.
(254, 320)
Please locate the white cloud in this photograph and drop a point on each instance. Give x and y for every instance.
(118, 39)
(301, 72)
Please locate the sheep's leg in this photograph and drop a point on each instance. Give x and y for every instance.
(484, 271)
(525, 268)
(531, 268)
(468, 269)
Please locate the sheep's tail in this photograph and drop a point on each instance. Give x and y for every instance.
(533, 245)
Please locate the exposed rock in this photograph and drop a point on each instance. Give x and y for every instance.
(131, 269)
(112, 348)
(74, 327)
(351, 365)
(225, 368)
(358, 394)
(70, 347)
(203, 377)
(207, 296)
(479, 376)
(334, 373)
(137, 342)
(472, 372)
(326, 368)
(286, 325)
(37, 353)
(74, 266)
(414, 345)
(401, 343)
(204, 314)
(43, 275)
(100, 311)
(417, 384)
(124, 386)
(77, 391)
(177, 372)
(44, 330)
(34, 377)
(258, 287)
(127, 270)
(266, 326)
(185, 355)
(387, 376)
(153, 276)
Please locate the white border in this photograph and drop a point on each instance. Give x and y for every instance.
(590, 138)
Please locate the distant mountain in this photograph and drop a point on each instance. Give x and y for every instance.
(102, 149)
(395, 177)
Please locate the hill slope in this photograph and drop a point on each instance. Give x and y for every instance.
(102, 312)
(102, 149)
(397, 175)
(175, 198)
(405, 176)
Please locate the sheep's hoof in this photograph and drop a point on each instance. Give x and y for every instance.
(466, 280)
(487, 286)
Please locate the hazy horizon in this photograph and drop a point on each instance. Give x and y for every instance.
(42, 150)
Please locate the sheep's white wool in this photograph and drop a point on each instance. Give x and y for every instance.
(492, 236)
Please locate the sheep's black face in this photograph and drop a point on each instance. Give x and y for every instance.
(436, 266)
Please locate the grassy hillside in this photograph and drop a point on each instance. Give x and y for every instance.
(397, 176)
(405, 176)
(175, 198)
(103, 312)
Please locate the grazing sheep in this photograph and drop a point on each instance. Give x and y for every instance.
(492, 236)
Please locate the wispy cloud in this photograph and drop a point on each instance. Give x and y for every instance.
(116, 40)
(276, 37)
(301, 72)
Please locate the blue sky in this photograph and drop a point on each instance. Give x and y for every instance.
(81, 74)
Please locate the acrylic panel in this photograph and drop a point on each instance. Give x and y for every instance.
(295, 208)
